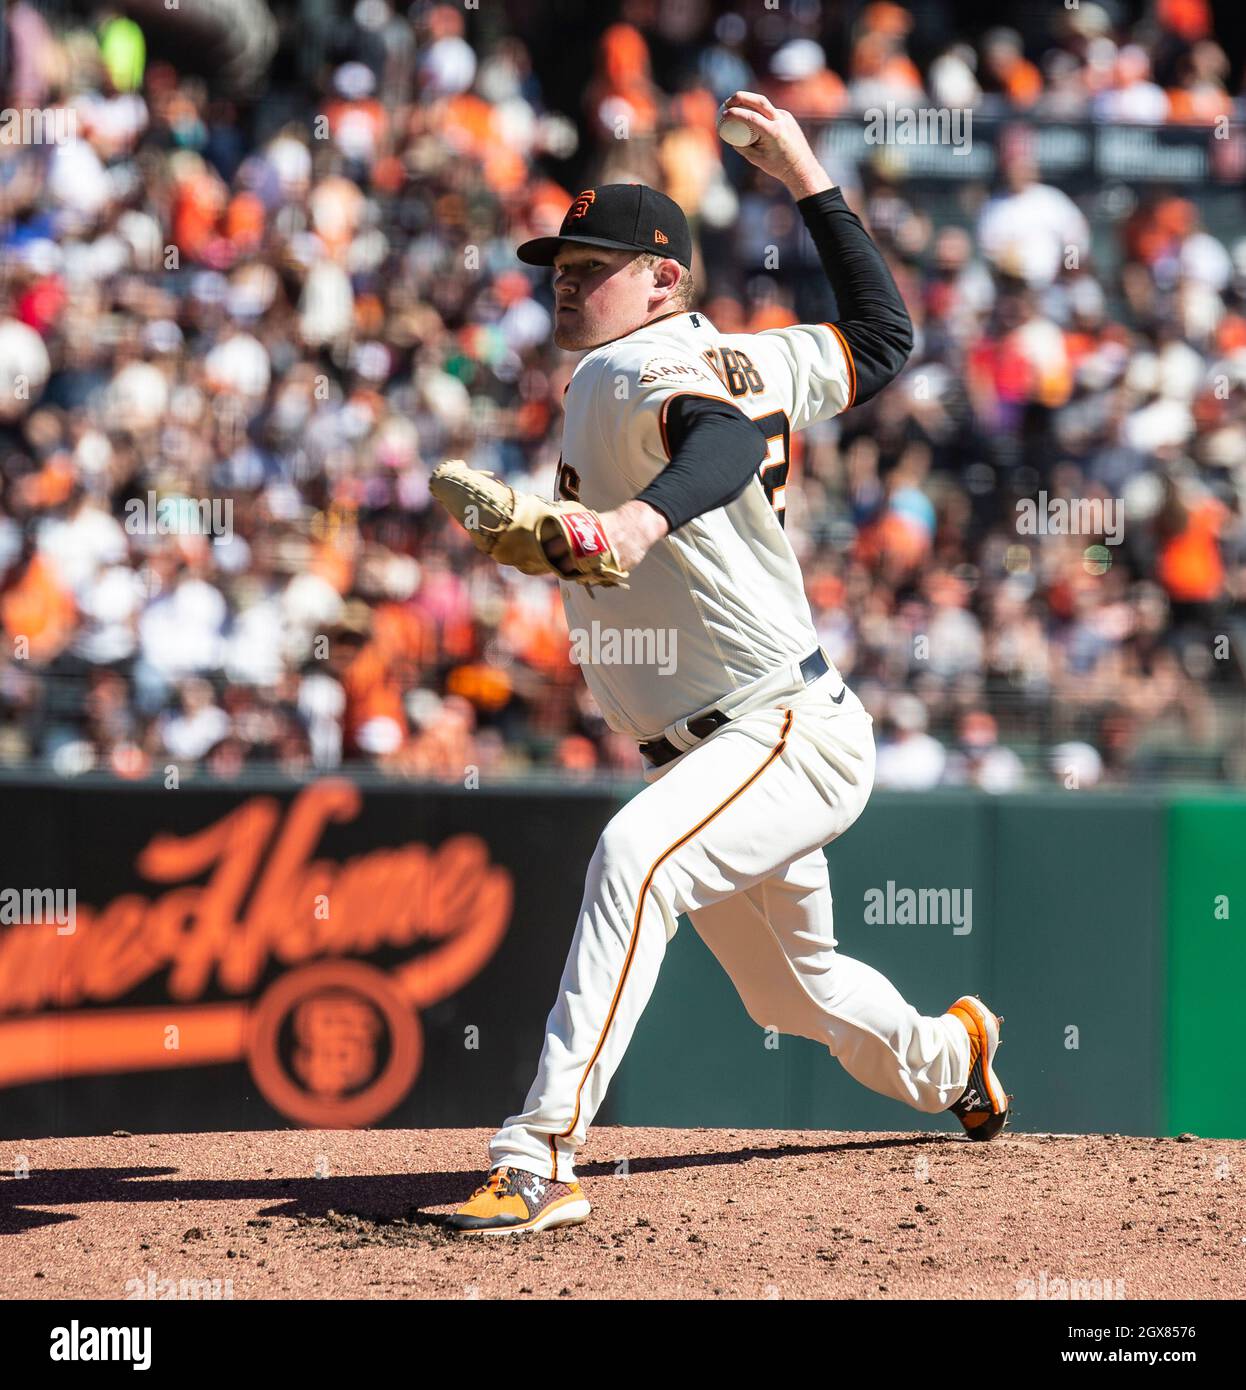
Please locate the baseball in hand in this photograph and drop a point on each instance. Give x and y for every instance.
(735, 131)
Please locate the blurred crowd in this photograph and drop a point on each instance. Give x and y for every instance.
(303, 317)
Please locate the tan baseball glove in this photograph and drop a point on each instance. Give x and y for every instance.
(513, 527)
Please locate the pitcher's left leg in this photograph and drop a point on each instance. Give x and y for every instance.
(777, 942)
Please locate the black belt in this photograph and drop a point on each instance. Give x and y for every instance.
(661, 750)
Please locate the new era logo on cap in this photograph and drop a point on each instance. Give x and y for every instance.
(660, 237)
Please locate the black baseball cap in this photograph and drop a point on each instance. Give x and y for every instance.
(624, 216)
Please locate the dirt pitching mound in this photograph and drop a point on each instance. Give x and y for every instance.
(677, 1214)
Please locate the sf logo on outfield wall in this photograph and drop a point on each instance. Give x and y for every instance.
(252, 954)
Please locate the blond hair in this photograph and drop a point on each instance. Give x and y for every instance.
(684, 290)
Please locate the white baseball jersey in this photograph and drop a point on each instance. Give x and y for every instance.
(731, 832)
(726, 587)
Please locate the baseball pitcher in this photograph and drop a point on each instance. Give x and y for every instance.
(669, 516)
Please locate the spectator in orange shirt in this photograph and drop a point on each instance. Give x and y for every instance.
(1190, 20)
(882, 72)
(38, 613)
(199, 199)
(1201, 96)
(1006, 69)
(802, 83)
(1190, 565)
(622, 95)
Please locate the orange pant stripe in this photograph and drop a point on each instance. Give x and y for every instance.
(640, 902)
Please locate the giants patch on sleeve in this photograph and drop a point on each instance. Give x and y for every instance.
(675, 369)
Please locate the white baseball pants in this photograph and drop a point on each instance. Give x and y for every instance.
(731, 833)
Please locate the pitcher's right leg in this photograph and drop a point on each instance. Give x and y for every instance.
(683, 841)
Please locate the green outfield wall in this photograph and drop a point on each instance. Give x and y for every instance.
(1206, 950)
(347, 952)
(1108, 930)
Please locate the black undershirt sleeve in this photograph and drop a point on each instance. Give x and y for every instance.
(715, 451)
(872, 316)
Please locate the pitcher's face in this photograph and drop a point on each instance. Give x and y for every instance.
(598, 296)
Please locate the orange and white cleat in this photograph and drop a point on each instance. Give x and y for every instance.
(513, 1201)
(983, 1105)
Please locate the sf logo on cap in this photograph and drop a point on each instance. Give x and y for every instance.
(581, 204)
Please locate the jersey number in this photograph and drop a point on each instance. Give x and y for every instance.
(736, 371)
(773, 471)
(567, 484)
